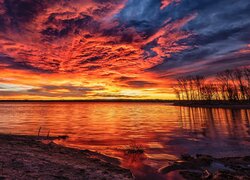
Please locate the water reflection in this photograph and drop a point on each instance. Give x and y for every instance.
(219, 132)
(215, 122)
(164, 131)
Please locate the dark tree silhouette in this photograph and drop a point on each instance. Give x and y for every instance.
(232, 85)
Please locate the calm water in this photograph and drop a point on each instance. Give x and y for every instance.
(164, 131)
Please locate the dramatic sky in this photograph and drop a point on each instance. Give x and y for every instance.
(95, 49)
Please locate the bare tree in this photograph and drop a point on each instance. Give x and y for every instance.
(182, 82)
(232, 85)
(208, 92)
(199, 83)
(177, 93)
(246, 73)
(240, 83)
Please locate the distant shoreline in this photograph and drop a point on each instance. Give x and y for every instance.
(96, 100)
(184, 103)
(214, 104)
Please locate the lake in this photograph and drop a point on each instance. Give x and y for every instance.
(163, 130)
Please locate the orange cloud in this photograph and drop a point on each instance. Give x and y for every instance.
(82, 45)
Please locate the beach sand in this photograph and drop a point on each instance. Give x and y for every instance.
(28, 157)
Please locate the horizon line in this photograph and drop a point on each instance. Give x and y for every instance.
(85, 100)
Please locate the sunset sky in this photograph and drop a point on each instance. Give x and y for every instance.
(116, 49)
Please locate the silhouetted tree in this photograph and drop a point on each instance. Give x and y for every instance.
(231, 85)
(208, 92)
(246, 73)
(183, 85)
(177, 93)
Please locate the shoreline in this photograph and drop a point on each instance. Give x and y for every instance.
(89, 101)
(214, 104)
(38, 157)
(27, 157)
(184, 103)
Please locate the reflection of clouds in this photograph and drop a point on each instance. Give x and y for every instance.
(164, 131)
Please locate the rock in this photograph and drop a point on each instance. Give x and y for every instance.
(222, 175)
(186, 157)
(247, 158)
(206, 174)
(191, 175)
(202, 167)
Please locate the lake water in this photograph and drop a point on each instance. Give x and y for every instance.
(163, 130)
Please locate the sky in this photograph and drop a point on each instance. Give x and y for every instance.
(117, 49)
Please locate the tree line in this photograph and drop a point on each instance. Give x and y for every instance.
(231, 85)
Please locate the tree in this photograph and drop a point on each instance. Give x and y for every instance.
(232, 85)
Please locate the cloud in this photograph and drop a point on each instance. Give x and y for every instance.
(9, 62)
(123, 44)
(220, 31)
(140, 84)
(47, 91)
(13, 88)
(70, 36)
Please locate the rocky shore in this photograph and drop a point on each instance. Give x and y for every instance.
(208, 167)
(30, 157)
(33, 157)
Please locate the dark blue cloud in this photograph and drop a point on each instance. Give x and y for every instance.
(220, 29)
(145, 16)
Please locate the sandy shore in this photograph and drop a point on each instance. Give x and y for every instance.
(26, 157)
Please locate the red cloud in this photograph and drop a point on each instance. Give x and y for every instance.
(85, 38)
